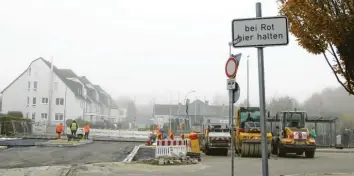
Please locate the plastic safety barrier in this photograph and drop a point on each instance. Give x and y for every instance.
(169, 147)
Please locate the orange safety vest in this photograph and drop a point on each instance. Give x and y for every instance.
(159, 136)
(172, 136)
(59, 128)
(86, 129)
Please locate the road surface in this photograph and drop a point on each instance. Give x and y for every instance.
(210, 166)
(41, 156)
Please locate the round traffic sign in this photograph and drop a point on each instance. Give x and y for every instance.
(231, 67)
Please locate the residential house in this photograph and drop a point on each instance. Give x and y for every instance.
(47, 94)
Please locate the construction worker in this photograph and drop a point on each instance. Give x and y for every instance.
(86, 131)
(171, 136)
(159, 136)
(313, 133)
(59, 130)
(73, 128)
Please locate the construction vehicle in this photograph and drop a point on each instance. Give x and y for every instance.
(248, 133)
(291, 136)
(216, 138)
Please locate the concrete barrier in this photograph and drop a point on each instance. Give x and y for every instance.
(117, 133)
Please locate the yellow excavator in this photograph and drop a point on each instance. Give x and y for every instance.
(292, 136)
(248, 133)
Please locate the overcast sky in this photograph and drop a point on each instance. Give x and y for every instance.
(151, 49)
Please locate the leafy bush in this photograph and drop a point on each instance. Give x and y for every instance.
(15, 114)
(80, 122)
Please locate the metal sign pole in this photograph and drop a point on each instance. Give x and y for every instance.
(265, 171)
(232, 126)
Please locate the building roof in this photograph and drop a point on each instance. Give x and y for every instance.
(64, 74)
(74, 86)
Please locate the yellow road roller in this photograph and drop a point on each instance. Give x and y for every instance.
(248, 133)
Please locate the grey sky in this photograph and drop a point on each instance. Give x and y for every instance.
(151, 48)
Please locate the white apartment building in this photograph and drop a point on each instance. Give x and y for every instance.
(45, 93)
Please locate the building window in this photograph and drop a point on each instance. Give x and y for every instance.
(28, 101)
(45, 100)
(29, 85)
(34, 101)
(121, 113)
(35, 85)
(55, 86)
(44, 115)
(59, 101)
(27, 115)
(29, 71)
(59, 117)
(33, 115)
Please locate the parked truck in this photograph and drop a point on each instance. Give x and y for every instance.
(216, 138)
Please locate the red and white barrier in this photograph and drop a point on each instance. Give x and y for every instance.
(168, 147)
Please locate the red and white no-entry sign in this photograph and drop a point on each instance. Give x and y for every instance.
(231, 67)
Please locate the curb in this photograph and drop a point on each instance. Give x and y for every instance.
(335, 151)
(93, 139)
(131, 155)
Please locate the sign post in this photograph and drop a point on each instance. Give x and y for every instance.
(231, 68)
(260, 32)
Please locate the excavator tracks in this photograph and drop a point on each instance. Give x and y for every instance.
(252, 150)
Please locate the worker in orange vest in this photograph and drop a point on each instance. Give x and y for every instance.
(159, 136)
(171, 136)
(59, 130)
(182, 135)
(86, 131)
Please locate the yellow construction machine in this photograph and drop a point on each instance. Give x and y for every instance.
(248, 133)
(291, 136)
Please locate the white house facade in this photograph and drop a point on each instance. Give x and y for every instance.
(45, 93)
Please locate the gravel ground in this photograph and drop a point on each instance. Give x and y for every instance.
(18, 157)
(144, 153)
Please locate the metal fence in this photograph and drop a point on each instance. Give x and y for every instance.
(15, 127)
(326, 132)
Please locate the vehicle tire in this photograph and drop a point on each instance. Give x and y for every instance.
(226, 152)
(280, 151)
(274, 149)
(310, 154)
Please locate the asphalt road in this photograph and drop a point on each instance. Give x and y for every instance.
(210, 165)
(40, 156)
(322, 163)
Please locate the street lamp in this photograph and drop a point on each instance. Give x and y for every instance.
(187, 102)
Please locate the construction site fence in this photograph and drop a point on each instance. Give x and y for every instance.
(172, 147)
(15, 127)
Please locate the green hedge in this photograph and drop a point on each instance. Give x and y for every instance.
(80, 122)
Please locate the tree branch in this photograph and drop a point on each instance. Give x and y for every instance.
(335, 74)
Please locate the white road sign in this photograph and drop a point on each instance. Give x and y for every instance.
(231, 84)
(260, 32)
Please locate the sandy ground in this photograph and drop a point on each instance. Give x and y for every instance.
(42, 156)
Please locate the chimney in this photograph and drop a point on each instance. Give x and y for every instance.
(206, 103)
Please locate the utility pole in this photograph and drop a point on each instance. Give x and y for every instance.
(50, 97)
